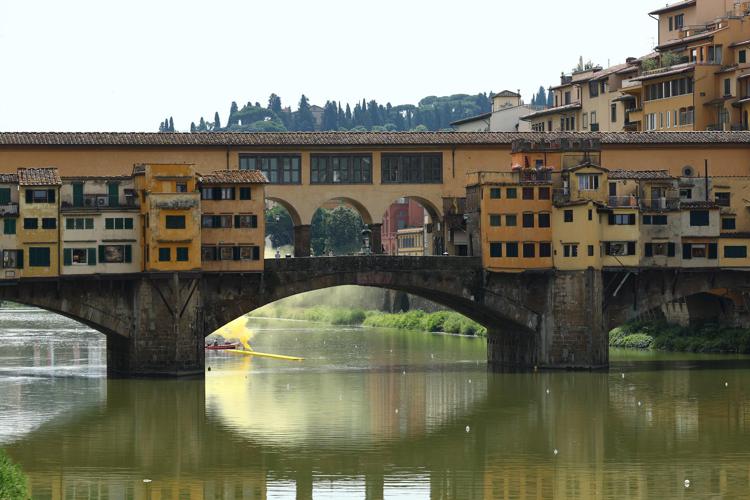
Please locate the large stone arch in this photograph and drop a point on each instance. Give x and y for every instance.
(289, 207)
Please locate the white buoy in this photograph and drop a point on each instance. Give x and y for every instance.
(687, 483)
(622, 375)
(396, 410)
(468, 428)
(547, 391)
(146, 481)
(554, 451)
(639, 403)
(470, 381)
(403, 372)
(726, 384)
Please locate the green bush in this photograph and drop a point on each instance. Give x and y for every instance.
(707, 338)
(12, 480)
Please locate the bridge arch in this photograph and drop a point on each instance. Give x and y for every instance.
(293, 213)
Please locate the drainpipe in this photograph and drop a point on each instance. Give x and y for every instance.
(228, 148)
(705, 175)
(453, 159)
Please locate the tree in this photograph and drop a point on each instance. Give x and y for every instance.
(550, 99)
(541, 97)
(330, 116)
(274, 103)
(202, 125)
(279, 226)
(171, 124)
(12, 480)
(192, 126)
(217, 121)
(304, 120)
(345, 231)
(319, 229)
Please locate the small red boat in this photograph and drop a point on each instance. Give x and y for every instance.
(219, 347)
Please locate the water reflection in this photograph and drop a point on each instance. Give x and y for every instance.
(329, 428)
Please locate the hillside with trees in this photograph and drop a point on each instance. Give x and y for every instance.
(430, 113)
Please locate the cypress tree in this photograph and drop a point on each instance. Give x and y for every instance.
(171, 124)
(202, 125)
(217, 121)
(304, 120)
(192, 126)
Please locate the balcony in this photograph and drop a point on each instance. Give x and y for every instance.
(622, 202)
(663, 203)
(98, 202)
(8, 209)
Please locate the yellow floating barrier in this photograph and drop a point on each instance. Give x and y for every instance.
(265, 355)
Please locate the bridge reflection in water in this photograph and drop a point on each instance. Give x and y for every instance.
(213, 439)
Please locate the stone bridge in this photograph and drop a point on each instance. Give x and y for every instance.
(155, 323)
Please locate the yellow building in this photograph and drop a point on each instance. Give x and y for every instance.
(171, 216)
(232, 220)
(38, 233)
(12, 253)
(410, 242)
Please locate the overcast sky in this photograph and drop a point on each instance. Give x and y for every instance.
(98, 65)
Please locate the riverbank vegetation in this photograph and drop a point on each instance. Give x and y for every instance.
(12, 480)
(707, 338)
(441, 321)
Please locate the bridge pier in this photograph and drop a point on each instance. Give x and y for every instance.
(570, 333)
(302, 240)
(376, 238)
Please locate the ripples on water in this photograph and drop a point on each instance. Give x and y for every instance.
(368, 414)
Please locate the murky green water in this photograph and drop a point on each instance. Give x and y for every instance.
(368, 414)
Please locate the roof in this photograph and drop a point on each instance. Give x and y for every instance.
(352, 139)
(234, 177)
(687, 39)
(8, 178)
(698, 204)
(483, 116)
(675, 6)
(676, 70)
(44, 176)
(585, 164)
(612, 69)
(506, 93)
(640, 174)
(739, 44)
(551, 111)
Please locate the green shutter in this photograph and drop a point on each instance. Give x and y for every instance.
(254, 221)
(68, 257)
(256, 253)
(129, 223)
(687, 251)
(236, 221)
(4, 196)
(109, 223)
(101, 254)
(70, 223)
(236, 253)
(713, 250)
(9, 226)
(29, 196)
(91, 256)
(113, 190)
(50, 196)
(78, 194)
(128, 253)
(119, 224)
(670, 250)
(649, 250)
(19, 254)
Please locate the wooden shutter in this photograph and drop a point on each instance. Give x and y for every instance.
(713, 250)
(254, 221)
(631, 247)
(101, 254)
(29, 196)
(236, 221)
(687, 250)
(631, 220)
(50, 196)
(128, 223)
(91, 256)
(611, 219)
(236, 253)
(256, 253)
(4, 196)
(128, 254)
(649, 250)
(670, 249)
(67, 257)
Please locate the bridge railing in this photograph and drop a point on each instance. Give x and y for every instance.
(371, 263)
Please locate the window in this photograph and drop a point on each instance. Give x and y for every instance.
(699, 250)
(182, 254)
(115, 254)
(279, 169)
(414, 168)
(79, 257)
(671, 23)
(341, 169)
(679, 21)
(699, 218)
(245, 193)
(621, 219)
(496, 249)
(656, 220)
(40, 196)
(117, 223)
(245, 221)
(529, 250)
(568, 216)
(39, 257)
(686, 118)
(79, 223)
(588, 182)
(49, 223)
(495, 193)
(226, 253)
(544, 219)
(527, 193)
(175, 222)
(619, 248)
(728, 224)
(593, 89)
(544, 193)
(209, 254)
(511, 249)
(216, 221)
(659, 248)
(742, 56)
(510, 220)
(250, 253)
(585, 120)
(9, 226)
(722, 199)
(12, 259)
(686, 194)
(528, 219)
(613, 112)
(207, 193)
(593, 118)
(226, 193)
(727, 87)
(495, 220)
(570, 250)
(735, 252)
(545, 249)
(591, 214)
(30, 223)
(590, 250)
(181, 187)
(165, 254)
(511, 193)
(567, 97)
(714, 54)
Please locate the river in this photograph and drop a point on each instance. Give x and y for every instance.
(368, 414)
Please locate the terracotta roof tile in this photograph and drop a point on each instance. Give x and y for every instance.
(698, 204)
(45, 176)
(349, 139)
(640, 174)
(234, 177)
(8, 178)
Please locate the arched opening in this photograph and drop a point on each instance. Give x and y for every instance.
(281, 220)
(337, 228)
(412, 227)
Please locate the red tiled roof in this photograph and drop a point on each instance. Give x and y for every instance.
(8, 178)
(640, 174)
(551, 111)
(352, 139)
(45, 176)
(674, 6)
(698, 204)
(234, 177)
